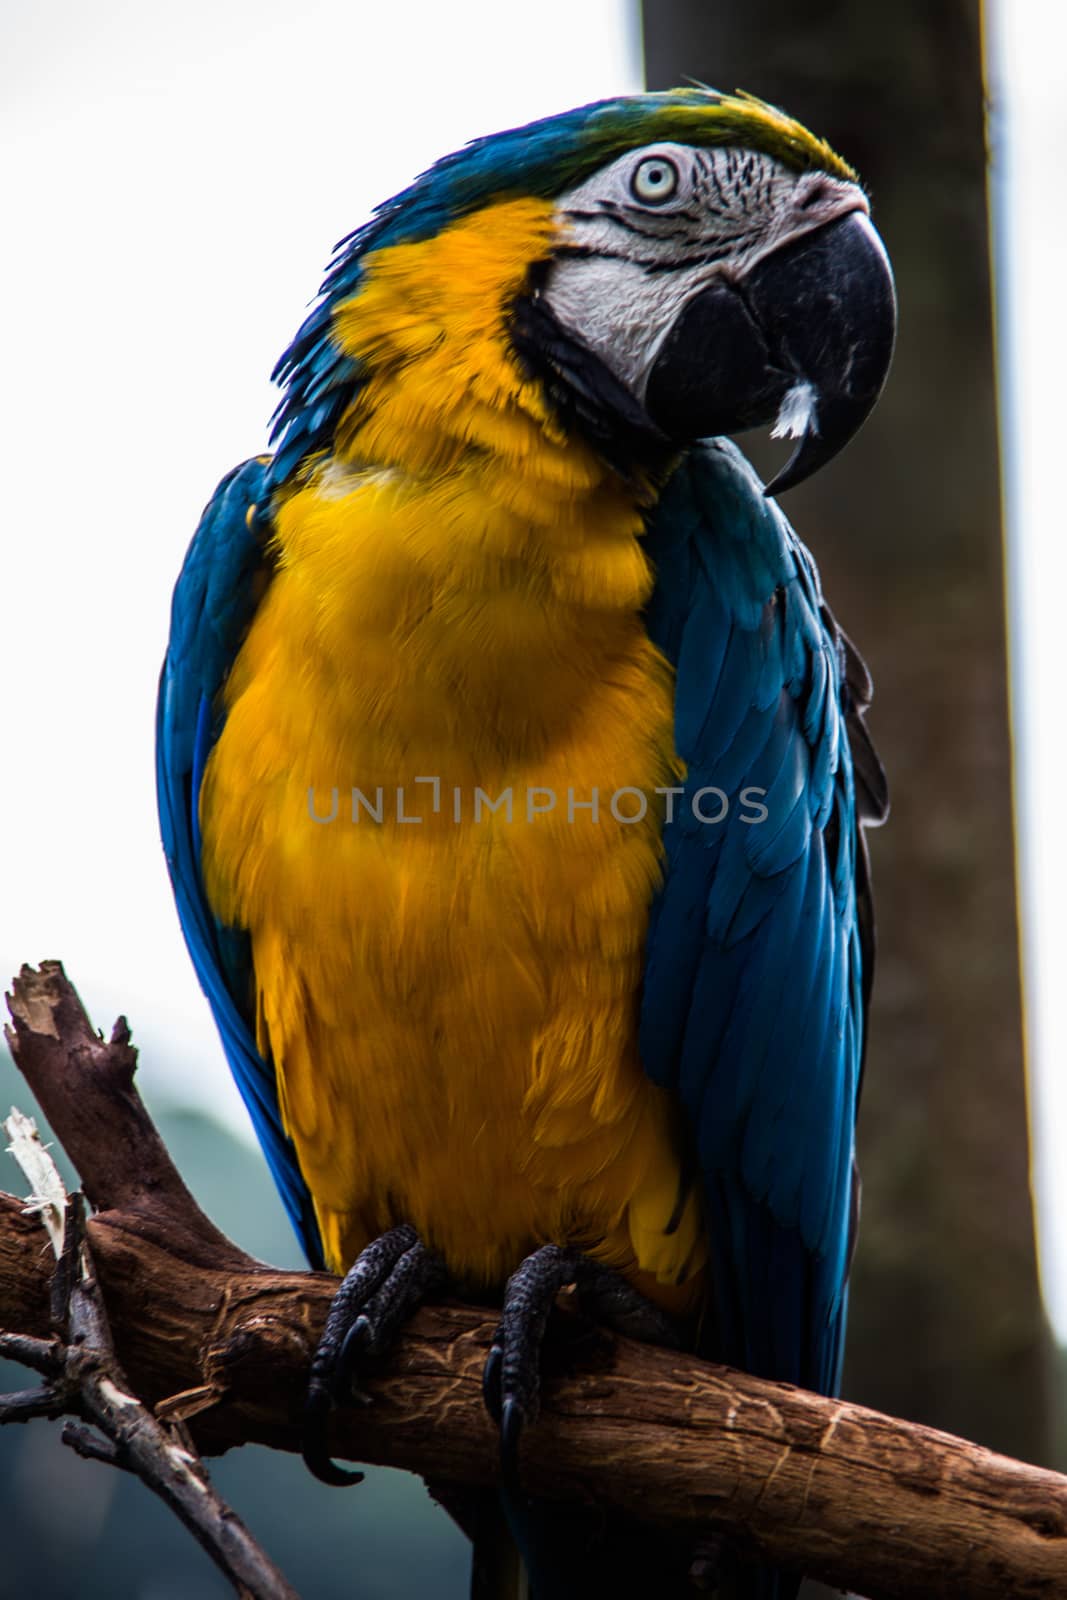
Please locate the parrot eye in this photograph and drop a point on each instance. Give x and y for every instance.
(654, 180)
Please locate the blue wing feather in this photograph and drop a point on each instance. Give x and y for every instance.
(214, 601)
(752, 1006)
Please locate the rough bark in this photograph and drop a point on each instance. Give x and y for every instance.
(887, 1508)
(84, 1382)
(211, 1337)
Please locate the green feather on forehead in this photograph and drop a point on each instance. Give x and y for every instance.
(705, 117)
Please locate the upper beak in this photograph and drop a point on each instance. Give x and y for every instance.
(806, 338)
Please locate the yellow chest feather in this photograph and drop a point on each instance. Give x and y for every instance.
(433, 802)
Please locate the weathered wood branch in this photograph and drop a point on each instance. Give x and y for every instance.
(85, 1381)
(889, 1509)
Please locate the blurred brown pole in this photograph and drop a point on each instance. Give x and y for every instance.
(946, 1323)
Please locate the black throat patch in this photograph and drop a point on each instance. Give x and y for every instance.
(585, 394)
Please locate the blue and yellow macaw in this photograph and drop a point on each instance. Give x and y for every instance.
(511, 766)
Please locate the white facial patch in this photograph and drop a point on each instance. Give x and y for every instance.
(618, 311)
(629, 263)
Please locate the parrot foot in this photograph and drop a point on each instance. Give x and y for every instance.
(389, 1280)
(511, 1381)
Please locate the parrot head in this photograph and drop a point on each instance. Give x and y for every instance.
(712, 268)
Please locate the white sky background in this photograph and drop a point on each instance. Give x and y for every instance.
(172, 181)
(1028, 83)
(171, 184)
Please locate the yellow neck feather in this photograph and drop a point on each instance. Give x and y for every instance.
(429, 326)
(456, 528)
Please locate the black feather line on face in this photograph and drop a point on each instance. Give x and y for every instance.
(669, 228)
(583, 392)
(704, 257)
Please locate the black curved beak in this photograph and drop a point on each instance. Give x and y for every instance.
(804, 340)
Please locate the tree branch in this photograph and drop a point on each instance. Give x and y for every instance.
(86, 1381)
(890, 1509)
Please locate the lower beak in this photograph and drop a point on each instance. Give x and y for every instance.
(804, 340)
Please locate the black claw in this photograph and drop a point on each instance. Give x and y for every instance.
(384, 1286)
(356, 1340)
(512, 1422)
(317, 1457)
(491, 1382)
(511, 1379)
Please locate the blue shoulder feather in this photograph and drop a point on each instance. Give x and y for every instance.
(214, 601)
(754, 987)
